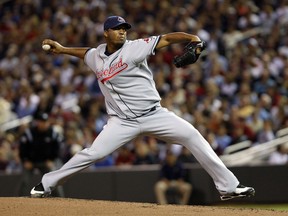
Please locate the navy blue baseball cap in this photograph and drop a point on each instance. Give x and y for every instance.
(114, 21)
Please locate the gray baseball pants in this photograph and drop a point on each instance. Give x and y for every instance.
(161, 123)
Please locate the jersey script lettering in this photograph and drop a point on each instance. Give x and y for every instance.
(110, 72)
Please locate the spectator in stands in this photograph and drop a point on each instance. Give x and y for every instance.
(222, 138)
(154, 148)
(124, 157)
(172, 176)
(9, 156)
(185, 156)
(28, 100)
(280, 156)
(255, 122)
(265, 106)
(39, 150)
(267, 134)
(239, 130)
(142, 153)
(73, 141)
(6, 113)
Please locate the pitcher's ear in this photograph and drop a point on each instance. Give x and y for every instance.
(105, 33)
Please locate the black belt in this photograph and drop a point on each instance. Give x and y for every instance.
(151, 110)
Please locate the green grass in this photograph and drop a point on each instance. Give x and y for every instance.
(278, 207)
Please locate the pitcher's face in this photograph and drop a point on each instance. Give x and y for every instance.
(116, 35)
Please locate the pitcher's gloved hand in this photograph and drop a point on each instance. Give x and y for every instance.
(190, 55)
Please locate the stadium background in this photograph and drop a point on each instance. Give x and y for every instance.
(242, 75)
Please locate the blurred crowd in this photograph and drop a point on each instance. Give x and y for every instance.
(237, 90)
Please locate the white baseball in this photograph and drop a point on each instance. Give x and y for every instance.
(46, 47)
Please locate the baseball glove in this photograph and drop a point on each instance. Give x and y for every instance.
(190, 55)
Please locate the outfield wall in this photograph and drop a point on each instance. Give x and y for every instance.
(136, 184)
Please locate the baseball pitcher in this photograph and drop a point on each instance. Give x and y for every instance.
(133, 105)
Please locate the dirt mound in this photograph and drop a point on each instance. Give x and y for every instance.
(63, 206)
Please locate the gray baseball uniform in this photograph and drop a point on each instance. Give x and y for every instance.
(133, 104)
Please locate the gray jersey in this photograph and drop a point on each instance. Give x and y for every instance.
(125, 78)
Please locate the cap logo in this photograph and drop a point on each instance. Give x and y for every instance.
(120, 19)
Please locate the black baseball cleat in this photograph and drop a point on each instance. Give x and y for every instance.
(241, 191)
(38, 191)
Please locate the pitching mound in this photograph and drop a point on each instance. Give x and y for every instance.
(62, 206)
